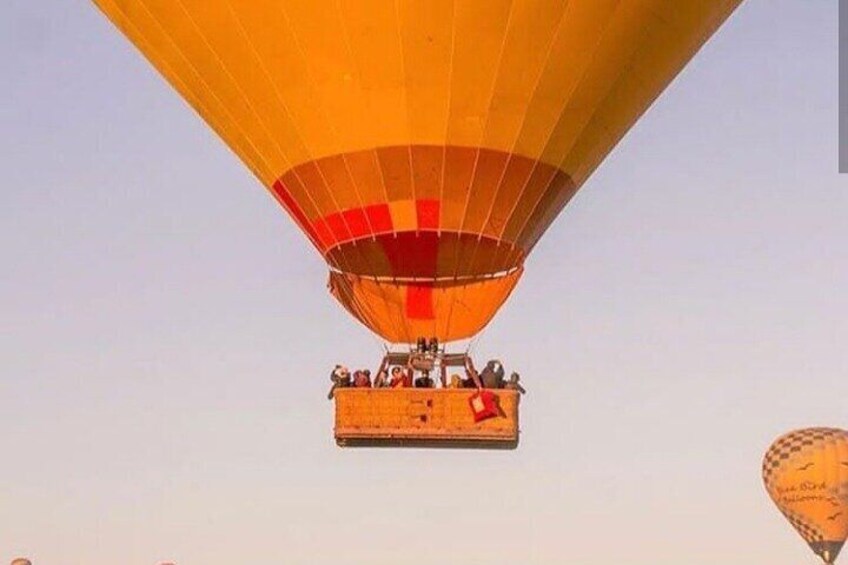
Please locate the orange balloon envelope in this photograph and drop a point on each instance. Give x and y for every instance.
(806, 474)
(423, 146)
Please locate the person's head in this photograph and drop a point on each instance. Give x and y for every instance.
(396, 371)
(21, 561)
(367, 372)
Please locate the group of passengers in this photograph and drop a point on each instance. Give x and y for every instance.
(492, 376)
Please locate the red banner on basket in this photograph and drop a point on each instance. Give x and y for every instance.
(483, 405)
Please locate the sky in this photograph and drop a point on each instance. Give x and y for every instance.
(166, 333)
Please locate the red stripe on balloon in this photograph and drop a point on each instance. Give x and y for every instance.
(324, 232)
(419, 302)
(380, 218)
(428, 214)
(338, 227)
(357, 222)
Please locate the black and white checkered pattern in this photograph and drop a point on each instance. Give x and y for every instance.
(792, 446)
(808, 531)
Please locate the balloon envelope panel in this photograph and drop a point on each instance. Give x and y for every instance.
(420, 139)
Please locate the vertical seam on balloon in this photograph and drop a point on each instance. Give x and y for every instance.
(477, 158)
(170, 75)
(487, 107)
(552, 130)
(209, 90)
(408, 147)
(552, 213)
(376, 161)
(343, 250)
(379, 168)
(372, 150)
(626, 69)
(442, 206)
(511, 153)
(245, 97)
(203, 82)
(406, 106)
(248, 102)
(447, 118)
(693, 47)
(285, 109)
(550, 137)
(558, 167)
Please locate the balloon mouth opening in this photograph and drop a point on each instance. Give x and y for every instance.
(426, 255)
(434, 282)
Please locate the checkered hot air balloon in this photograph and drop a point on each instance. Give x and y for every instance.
(422, 146)
(806, 475)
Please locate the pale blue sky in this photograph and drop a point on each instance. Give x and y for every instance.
(165, 333)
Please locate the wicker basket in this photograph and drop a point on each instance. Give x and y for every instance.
(423, 418)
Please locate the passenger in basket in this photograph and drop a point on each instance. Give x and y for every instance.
(455, 381)
(382, 379)
(398, 378)
(468, 381)
(362, 379)
(341, 379)
(493, 375)
(424, 381)
(514, 384)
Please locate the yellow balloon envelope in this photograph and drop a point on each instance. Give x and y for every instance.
(806, 474)
(423, 146)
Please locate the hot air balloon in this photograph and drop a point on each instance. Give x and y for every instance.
(422, 146)
(806, 475)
